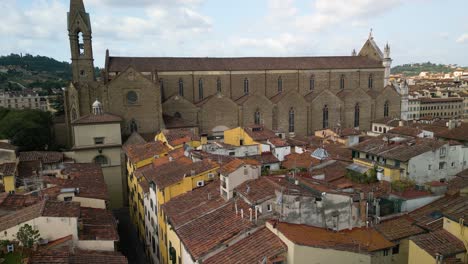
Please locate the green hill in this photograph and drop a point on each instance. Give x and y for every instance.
(416, 68)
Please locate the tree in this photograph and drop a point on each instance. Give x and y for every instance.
(27, 129)
(28, 236)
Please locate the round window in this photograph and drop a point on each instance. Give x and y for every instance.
(132, 97)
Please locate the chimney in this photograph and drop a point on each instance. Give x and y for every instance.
(256, 214)
(400, 123)
(192, 172)
(250, 211)
(235, 206)
(242, 213)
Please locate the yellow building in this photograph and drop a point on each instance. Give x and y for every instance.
(389, 173)
(436, 247)
(138, 157)
(8, 176)
(176, 138)
(173, 179)
(306, 243)
(250, 135)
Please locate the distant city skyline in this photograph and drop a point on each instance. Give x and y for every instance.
(183, 28)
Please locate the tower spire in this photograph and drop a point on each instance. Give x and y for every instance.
(77, 6)
(370, 34)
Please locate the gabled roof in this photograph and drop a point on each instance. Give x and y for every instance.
(439, 242)
(252, 249)
(140, 152)
(97, 119)
(233, 165)
(98, 224)
(259, 132)
(219, 226)
(399, 228)
(360, 240)
(44, 156)
(147, 64)
(7, 169)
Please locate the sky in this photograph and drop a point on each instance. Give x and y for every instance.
(416, 30)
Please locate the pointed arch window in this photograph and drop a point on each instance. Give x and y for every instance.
(312, 82)
(181, 87)
(73, 114)
(342, 82)
(280, 85)
(218, 85)
(291, 120)
(356, 115)
(370, 81)
(161, 81)
(325, 117)
(133, 126)
(257, 117)
(246, 86)
(385, 109)
(200, 89)
(81, 47)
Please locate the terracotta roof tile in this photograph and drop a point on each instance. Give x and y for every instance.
(61, 209)
(17, 201)
(139, 152)
(355, 240)
(265, 158)
(177, 134)
(439, 242)
(406, 131)
(191, 205)
(43, 156)
(458, 183)
(147, 64)
(278, 142)
(398, 228)
(98, 224)
(88, 177)
(296, 160)
(8, 169)
(233, 165)
(252, 249)
(459, 133)
(259, 132)
(219, 226)
(95, 119)
(65, 256)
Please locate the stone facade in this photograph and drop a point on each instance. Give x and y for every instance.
(217, 93)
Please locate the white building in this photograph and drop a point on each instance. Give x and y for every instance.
(23, 100)
(236, 172)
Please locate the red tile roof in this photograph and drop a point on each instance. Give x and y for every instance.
(98, 224)
(459, 133)
(265, 158)
(235, 164)
(17, 201)
(439, 242)
(278, 142)
(96, 119)
(191, 205)
(147, 64)
(76, 256)
(296, 160)
(259, 132)
(43, 156)
(8, 169)
(219, 226)
(137, 153)
(61, 209)
(355, 240)
(252, 249)
(406, 131)
(88, 177)
(398, 228)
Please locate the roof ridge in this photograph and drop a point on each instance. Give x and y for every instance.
(206, 213)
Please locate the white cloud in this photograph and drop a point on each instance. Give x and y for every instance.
(463, 38)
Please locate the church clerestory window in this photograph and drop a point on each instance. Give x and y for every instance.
(218, 85)
(325, 117)
(312, 82)
(132, 97)
(342, 82)
(257, 117)
(356, 115)
(246, 86)
(291, 120)
(200, 89)
(370, 82)
(181, 87)
(280, 85)
(385, 111)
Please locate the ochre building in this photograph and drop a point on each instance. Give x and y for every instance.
(296, 95)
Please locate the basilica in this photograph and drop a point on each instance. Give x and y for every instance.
(294, 95)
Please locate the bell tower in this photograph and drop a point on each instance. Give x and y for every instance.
(79, 32)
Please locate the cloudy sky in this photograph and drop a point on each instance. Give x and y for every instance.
(417, 30)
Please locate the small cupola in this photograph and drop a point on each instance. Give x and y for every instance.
(97, 108)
